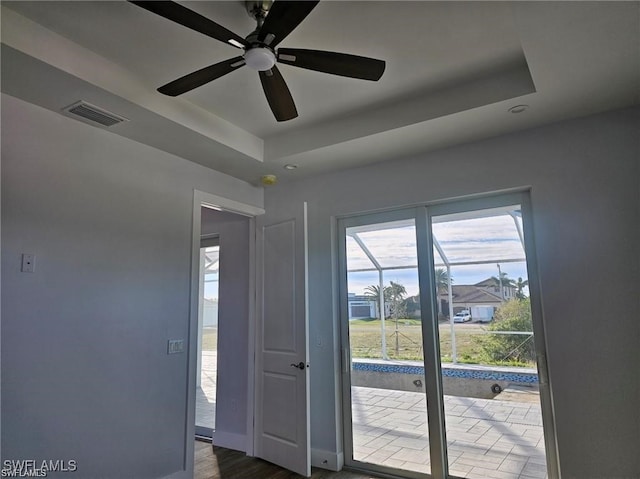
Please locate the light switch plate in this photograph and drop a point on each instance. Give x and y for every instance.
(28, 263)
(175, 346)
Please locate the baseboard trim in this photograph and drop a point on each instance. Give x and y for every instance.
(332, 461)
(230, 440)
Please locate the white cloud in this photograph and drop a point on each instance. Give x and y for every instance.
(489, 239)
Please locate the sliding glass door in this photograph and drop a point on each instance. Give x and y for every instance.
(389, 424)
(450, 290)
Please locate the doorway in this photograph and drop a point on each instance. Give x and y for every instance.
(449, 289)
(229, 226)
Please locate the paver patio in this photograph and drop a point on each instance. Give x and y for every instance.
(206, 392)
(487, 438)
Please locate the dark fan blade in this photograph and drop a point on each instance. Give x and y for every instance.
(278, 95)
(190, 19)
(283, 18)
(341, 64)
(196, 79)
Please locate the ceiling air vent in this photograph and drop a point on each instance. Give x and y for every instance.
(94, 114)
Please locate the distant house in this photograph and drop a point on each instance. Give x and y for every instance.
(361, 307)
(491, 284)
(486, 293)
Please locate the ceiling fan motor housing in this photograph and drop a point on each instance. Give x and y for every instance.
(258, 9)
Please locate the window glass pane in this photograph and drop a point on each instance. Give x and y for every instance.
(391, 246)
(492, 408)
(208, 340)
(491, 236)
(389, 421)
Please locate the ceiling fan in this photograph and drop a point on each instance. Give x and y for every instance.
(275, 21)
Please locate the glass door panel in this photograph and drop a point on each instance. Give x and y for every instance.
(493, 418)
(208, 338)
(388, 420)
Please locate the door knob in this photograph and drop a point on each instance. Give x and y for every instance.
(300, 365)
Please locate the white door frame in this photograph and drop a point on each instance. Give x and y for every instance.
(202, 199)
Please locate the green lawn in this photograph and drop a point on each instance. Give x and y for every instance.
(210, 339)
(366, 342)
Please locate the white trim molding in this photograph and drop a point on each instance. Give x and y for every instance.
(225, 204)
(329, 460)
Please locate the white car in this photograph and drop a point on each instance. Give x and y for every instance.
(462, 317)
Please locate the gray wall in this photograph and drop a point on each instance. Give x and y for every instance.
(233, 325)
(584, 179)
(85, 370)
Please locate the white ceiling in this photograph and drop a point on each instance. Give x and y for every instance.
(453, 70)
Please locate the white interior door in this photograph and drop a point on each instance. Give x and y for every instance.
(282, 382)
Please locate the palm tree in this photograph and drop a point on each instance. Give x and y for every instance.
(503, 282)
(397, 293)
(442, 284)
(520, 285)
(504, 279)
(442, 280)
(373, 293)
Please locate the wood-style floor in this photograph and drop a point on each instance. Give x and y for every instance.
(218, 463)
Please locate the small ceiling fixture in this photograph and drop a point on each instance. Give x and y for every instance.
(268, 180)
(518, 108)
(289, 166)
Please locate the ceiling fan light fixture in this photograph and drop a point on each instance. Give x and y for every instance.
(261, 59)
